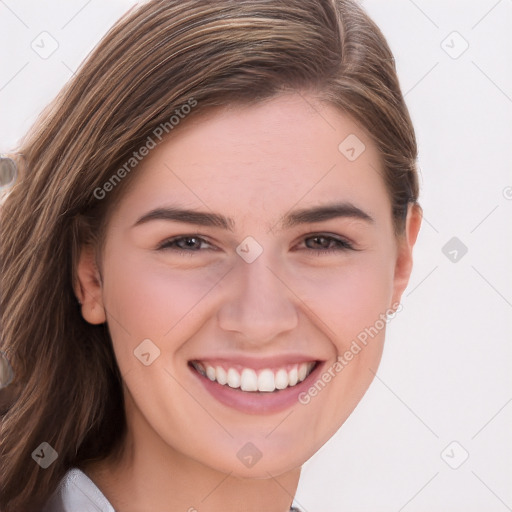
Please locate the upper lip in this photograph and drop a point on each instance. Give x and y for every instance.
(258, 363)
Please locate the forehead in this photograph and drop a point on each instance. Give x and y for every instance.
(262, 160)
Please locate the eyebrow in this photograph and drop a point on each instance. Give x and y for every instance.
(323, 213)
(297, 217)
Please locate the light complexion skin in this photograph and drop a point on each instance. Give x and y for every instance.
(319, 281)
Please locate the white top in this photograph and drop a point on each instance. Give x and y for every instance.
(78, 493)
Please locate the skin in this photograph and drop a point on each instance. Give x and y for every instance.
(253, 164)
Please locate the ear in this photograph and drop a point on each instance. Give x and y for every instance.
(403, 266)
(88, 287)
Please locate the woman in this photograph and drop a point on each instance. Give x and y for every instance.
(212, 226)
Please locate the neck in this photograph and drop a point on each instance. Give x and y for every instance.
(151, 475)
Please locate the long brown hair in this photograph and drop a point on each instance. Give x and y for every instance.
(159, 57)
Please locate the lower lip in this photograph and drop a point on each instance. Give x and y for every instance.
(258, 402)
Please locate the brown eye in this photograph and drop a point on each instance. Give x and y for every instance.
(327, 244)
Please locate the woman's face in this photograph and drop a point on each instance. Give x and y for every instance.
(256, 238)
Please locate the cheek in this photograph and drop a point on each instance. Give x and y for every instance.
(349, 298)
(351, 303)
(152, 301)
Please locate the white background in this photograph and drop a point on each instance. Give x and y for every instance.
(446, 370)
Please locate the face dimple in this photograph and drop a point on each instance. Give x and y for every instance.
(254, 286)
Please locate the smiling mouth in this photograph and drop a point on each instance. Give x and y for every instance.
(268, 380)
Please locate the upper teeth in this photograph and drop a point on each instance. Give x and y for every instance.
(248, 380)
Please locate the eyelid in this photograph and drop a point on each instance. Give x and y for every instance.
(162, 245)
(346, 243)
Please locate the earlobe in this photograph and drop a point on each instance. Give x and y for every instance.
(88, 287)
(403, 267)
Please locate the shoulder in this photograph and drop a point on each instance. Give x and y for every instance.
(76, 491)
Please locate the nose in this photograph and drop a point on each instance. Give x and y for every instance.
(259, 304)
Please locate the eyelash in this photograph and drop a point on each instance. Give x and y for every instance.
(343, 245)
